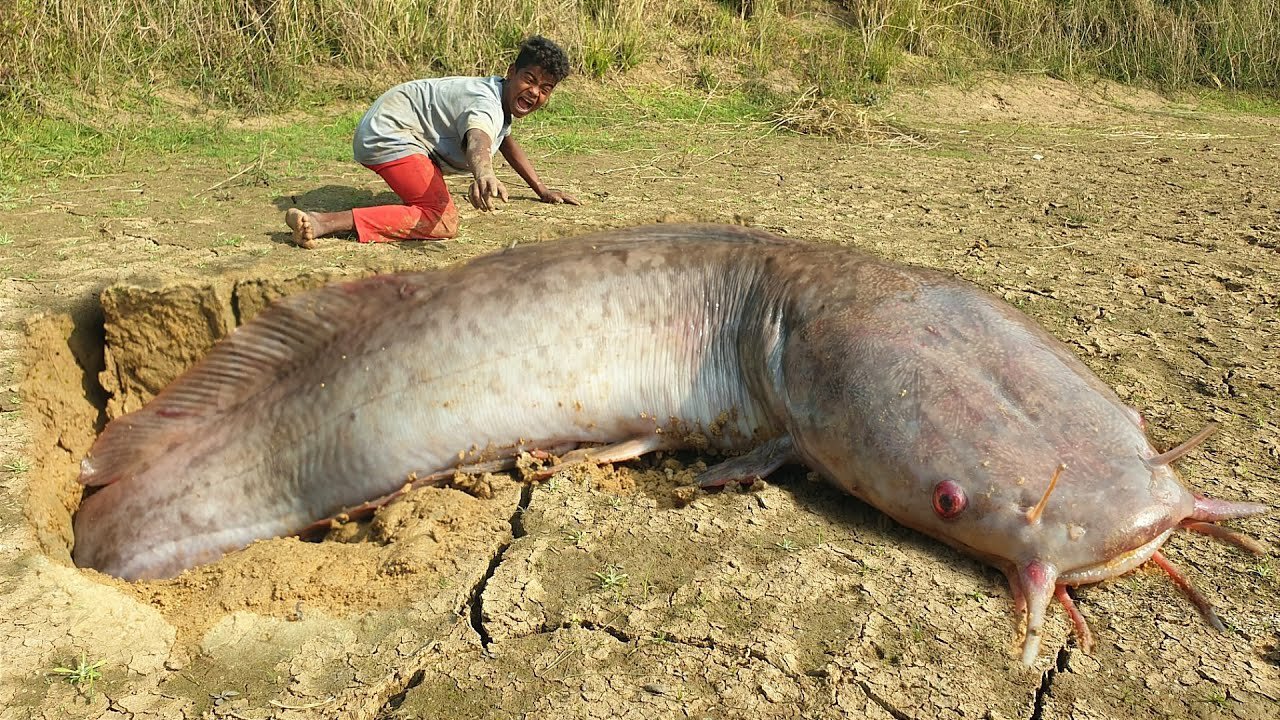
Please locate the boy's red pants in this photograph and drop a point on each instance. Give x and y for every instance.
(428, 211)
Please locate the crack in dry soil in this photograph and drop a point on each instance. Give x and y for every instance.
(476, 611)
(395, 701)
(885, 705)
(1046, 684)
(622, 636)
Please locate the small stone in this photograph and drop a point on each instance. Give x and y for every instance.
(771, 693)
(684, 495)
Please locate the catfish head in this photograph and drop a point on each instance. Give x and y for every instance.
(958, 416)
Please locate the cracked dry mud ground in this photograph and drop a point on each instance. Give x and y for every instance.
(1142, 232)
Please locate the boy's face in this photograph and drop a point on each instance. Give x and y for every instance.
(527, 89)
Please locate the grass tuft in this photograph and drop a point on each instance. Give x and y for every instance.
(17, 466)
(612, 578)
(83, 675)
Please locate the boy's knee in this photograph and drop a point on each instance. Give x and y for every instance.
(448, 225)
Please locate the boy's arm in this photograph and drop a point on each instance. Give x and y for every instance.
(486, 185)
(519, 162)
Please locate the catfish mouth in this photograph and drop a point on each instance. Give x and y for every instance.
(1036, 582)
(1117, 565)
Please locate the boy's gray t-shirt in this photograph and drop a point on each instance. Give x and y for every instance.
(431, 116)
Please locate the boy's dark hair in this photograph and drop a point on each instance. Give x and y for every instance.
(547, 55)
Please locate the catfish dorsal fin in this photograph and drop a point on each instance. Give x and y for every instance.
(290, 333)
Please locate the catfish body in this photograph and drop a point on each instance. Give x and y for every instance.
(337, 396)
(932, 400)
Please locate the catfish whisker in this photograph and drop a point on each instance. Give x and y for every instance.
(1077, 619)
(1192, 443)
(1227, 535)
(1200, 601)
(1033, 515)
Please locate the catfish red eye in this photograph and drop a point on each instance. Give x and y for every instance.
(948, 499)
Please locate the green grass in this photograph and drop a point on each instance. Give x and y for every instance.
(1217, 698)
(53, 124)
(575, 538)
(83, 88)
(684, 105)
(17, 466)
(58, 147)
(1240, 102)
(612, 578)
(83, 676)
(623, 120)
(51, 148)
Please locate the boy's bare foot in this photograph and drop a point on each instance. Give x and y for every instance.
(304, 232)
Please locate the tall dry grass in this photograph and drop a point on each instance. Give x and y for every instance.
(1224, 43)
(253, 53)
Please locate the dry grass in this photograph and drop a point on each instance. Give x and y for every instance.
(254, 53)
(810, 114)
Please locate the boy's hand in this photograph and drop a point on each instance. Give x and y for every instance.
(555, 197)
(484, 188)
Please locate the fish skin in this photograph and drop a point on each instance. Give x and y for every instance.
(413, 371)
(887, 379)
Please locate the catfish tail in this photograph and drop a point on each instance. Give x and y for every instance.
(291, 332)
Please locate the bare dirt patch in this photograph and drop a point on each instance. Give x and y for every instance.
(1142, 232)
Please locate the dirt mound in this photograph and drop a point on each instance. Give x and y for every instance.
(1033, 99)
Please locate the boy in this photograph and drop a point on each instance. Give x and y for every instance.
(423, 129)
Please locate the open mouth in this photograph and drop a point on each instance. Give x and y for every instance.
(525, 104)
